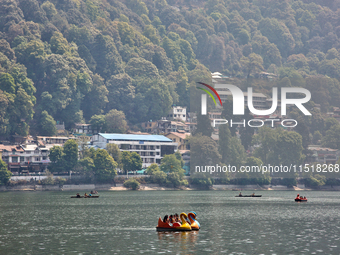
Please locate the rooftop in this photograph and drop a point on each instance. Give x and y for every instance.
(180, 135)
(10, 148)
(133, 137)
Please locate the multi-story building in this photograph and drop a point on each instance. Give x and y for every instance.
(29, 157)
(53, 139)
(167, 126)
(177, 113)
(178, 138)
(151, 148)
(324, 155)
(259, 99)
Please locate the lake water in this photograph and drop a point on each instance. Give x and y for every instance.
(123, 222)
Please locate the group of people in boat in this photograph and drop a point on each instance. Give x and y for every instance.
(88, 195)
(240, 195)
(300, 197)
(172, 219)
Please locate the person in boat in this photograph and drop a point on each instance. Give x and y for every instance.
(165, 219)
(298, 196)
(253, 194)
(90, 195)
(85, 195)
(78, 195)
(171, 219)
(305, 198)
(240, 195)
(177, 218)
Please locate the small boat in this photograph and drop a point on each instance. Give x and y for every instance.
(249, 196)
(195, 225)
(84, 197)
(300, 200)
(163, 226)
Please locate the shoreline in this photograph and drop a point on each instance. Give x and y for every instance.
(156, 187)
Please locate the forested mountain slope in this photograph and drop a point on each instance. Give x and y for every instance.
(73, 60)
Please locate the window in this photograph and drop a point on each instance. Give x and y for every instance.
(174, 139)
(28, 152)
(22, 159)
(37, 159)
(14, 159)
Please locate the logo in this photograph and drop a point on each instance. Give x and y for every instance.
(238, 97)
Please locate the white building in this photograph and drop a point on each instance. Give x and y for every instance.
(151, 148)
(324, 155)
(30, 157)
(259, 99)
(177, 113)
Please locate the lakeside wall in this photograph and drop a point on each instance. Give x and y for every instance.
(119, 186)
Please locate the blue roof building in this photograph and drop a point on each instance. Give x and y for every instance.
(151, 148)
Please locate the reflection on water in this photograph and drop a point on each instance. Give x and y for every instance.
(125, 223)
(184, 241)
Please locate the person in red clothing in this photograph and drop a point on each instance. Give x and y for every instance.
(298, 196)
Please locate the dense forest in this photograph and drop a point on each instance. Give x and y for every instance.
(97, 61)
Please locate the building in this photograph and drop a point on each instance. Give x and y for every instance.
(151, 148)
(12, 155)
(259, 99)
(324, 155)
(178, 138)
(53, 139)
(26, 158)
(150, 126)
(177, 113)
(167, 126)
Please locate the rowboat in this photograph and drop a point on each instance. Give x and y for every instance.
(85, 197)
(249, 196)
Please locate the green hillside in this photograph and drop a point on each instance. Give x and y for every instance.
(74, 61)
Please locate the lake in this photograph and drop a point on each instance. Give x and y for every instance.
(123, 222)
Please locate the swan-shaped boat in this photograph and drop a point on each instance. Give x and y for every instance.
(194, 224)
(163, 226)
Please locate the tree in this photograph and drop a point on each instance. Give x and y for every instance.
(5, 174)
(203, 152)
(7, 83)
(47, 125)
(87, 166)
(70, 150)
(114, 151)
(131, 161)
(59, 44)
(288, 148)
(56, 156)
(204, 125)
(131, 184)
(104, 165)
(171, 164)
(224, 143)
(115, 122)
(98, 122)
(152, 169)
(252, 63)
(332, 138)
(179, 157)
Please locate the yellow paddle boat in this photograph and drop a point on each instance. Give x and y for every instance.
(164, 226)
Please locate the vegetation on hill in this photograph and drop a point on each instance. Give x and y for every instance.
(70, 60)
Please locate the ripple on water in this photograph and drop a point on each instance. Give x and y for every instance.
(124, 222)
